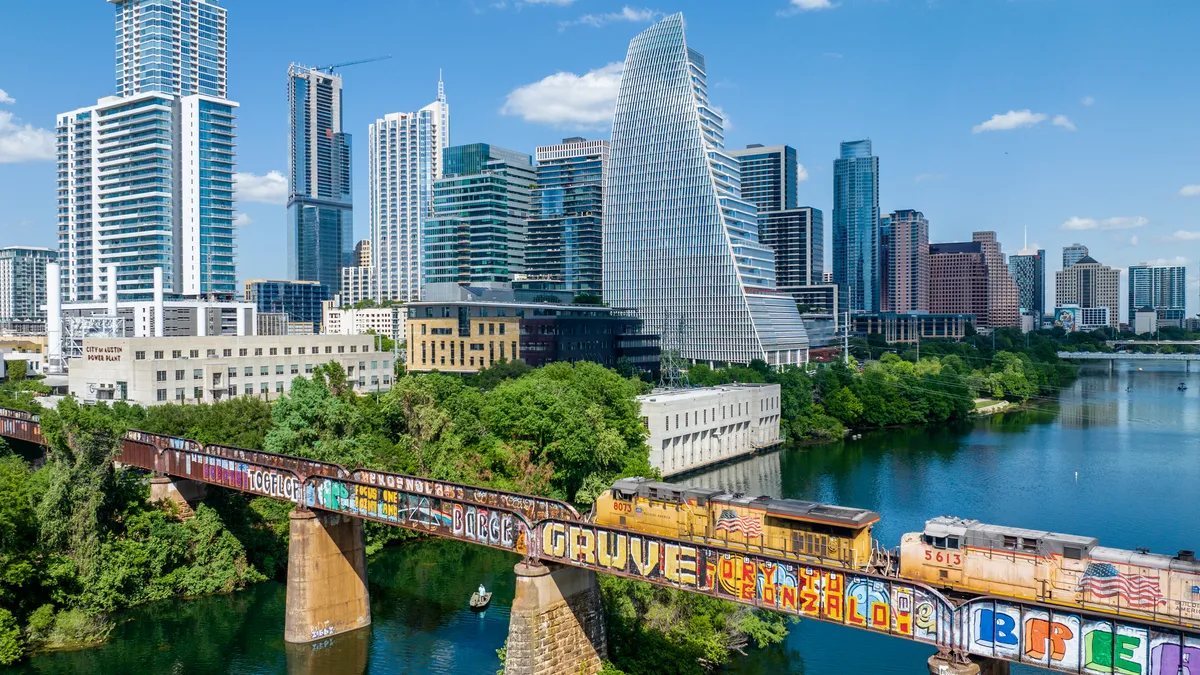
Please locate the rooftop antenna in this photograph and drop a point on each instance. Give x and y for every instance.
(441, 89)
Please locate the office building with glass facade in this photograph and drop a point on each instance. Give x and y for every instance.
(681, 245)
(23, 283)
(405, 159)
(564, 236)
(1090, 285)
(477, 232)
(856, 227)
(1072, 254)
(1162, 287)
(769, 176)
(300, 300)
(145, 178)
(1028, 271)
(320, 211)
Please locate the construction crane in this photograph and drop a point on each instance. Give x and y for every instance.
(329, 68)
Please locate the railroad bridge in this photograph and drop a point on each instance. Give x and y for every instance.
(556, 624)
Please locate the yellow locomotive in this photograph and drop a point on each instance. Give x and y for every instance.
(824, 533)
(1064, 569)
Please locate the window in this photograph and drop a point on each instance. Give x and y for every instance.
(353, 349)
(341, 349)
(212, 354)
(160, 376)
(329, 350)
(193, 353)
(667, 420)
(158, 354)
(366, 348)
(262, 370)
(198, 374)
(502, 329)
(248, 389)
(140, 356)
(274, 351)
(952, 542)
(676, 420)
(308, 368)
(491, 329)
(249, 372)
(227, 353)
(287, 351)
(279, 369)
(295, 369)
(1072, 553)
(1030, 545)
(178, 393)
(258, 351)
(1010, 542)
(197, 393)
(179, 374)
(388, 364)
(160, 395)
(477, 348)
(300, 351)
(242, 351)
(176, 354)
(278, 387)
(481, 329)
(262, 387)
(362, 365)
(232, 373)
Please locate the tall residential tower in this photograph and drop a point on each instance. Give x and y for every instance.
(856, 227)
(145, 178)
(405, 159)
(904, 262)
(1162, 287)
(1028, 271)
(681, 245)
(320, 212)
(565, 231)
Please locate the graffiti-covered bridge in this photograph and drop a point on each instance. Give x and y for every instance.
(556, 624)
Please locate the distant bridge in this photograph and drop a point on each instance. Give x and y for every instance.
(327, 589)
(1113, 357)
(1135, 343)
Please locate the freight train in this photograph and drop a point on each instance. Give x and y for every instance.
(951, 554)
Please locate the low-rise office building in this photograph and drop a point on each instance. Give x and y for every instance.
(910, 327)
(693, 428)
(387, 321)
(152, 371)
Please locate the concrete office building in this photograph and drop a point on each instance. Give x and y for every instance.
(566, 226)
(477, 231)
(170, 121)
(1088, 284)
(23, 283)
(153, 371)
(1003, 308)
(362, 253)
(405, 160)
(681, 245)
(904, 262)
(911, 327)
(856, 227)
(694, 428)
(320, 207)
(1162, 287)
(958, 280)
(387, 321)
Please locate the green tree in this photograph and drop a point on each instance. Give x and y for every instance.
(844, 406)
(16, 370)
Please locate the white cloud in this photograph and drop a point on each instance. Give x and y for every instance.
(5, 98)
(242, 219)
(1166, 262)
(567, 99)
(801, 173)
(833, 55)
(560, 3)
(1013, 119)
(1133, 241)
(1117, 223)
(1182, 235)
(627, 13)
(1189, 191)
(1062, 121)
(797, 6)
(268, 189)
(1087, 100)
(925, 177)
(23, 142)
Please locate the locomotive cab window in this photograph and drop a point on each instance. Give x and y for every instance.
(952, 542)
(1072, 553)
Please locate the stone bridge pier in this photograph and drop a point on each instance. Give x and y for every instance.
(557, 622)
(326, 578)
(178, 491)
(941, 664)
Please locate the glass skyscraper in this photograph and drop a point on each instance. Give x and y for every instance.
(1073, 253)
(564, 237)
(405, 160)
(1162, 287)
(856, 227)
(1028, 270)
(320, 229)
(769, 176)
(681, 246)
(145, 178)
(477, 233)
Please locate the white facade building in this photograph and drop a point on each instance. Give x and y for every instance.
(387, 321)
(153, 371)
(405, 158)
(357, 284)
(692, 428)
(23, 283)
(680, 245)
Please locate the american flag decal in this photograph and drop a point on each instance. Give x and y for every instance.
(731, 522)
(1104, 580)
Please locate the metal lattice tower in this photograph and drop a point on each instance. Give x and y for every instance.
(674, 372)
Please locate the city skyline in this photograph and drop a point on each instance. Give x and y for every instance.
(1138, 222)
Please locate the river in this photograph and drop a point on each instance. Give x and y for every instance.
(1116, 457)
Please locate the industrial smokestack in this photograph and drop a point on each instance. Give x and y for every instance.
(54, 319)
(159, 319)
(112, 290)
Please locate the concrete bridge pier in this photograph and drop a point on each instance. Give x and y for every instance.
(178, 491)
(557, 622)
(327, 576)
(942, 664)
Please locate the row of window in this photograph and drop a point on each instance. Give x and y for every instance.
(248, 371)
(702, 416)
(248, 389)
(244, 351)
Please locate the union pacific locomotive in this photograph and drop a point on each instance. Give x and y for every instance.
(950, 554)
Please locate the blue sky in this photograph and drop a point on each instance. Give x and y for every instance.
(1073, 119)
